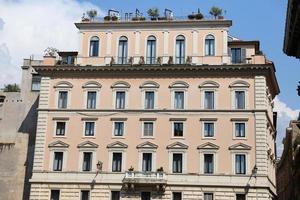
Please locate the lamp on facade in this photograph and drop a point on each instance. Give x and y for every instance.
(254, 171)
(99, 166)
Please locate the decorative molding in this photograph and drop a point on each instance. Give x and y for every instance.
(208, 119)
(118, 145)
(149, 84)
(179, 84)
(177, 119)
(63, 84)
(89, 118)
(121, 84)
(87, 144)
(177, 145)
(148, 119)
(208, 145)
(239, 146)
(147, 145)
(118, 119)
(209, 84)
(58, 144)
(239, 83)
(240, 119)
(92, 84)
(60, 118)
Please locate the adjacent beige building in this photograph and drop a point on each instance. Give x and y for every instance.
(169, 109)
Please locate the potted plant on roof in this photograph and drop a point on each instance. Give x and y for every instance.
(107, 18)
(114, 18)
(153, 13)
(92, 14)
(216, 12)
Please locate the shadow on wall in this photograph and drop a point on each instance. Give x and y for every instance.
(28, 126)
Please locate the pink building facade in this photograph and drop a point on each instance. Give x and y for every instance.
(156, 110)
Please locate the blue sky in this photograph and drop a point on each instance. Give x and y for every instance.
(262, 20)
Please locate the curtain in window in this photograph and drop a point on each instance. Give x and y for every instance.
(179, 100)
(147, 162)
(87, 159)
(117, 162)
(62, 99)
(58, 161)
(123, 50)
(209, 100)
(208, 163)
(240, 164)
(119, 129)
(180, 50)
(91, 100)
(94, 46)
(240, 129)
(120, 100)
(208, 129)
(151, 50)
(177, 163)
(210, 45)
(148, 129)
(60, 128)
(89, 128)
(178, 129)
(149, 100)
(240, 99)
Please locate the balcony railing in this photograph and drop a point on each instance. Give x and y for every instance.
(135, 177)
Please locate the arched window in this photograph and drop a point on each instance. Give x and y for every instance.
(151, 50)
(94, 46)
(123, 50)
(180, 49)
(209, 45)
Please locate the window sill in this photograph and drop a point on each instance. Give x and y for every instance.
(59, 136)
(118, 137)
(208, 138)
(148, 137)
(92, 137)
(176, 138)
(241, 138)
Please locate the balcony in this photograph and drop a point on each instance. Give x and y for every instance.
(134, 178)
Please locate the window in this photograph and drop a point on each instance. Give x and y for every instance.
(115, 195)
(62, 99)
(209, 100)
(91, 100)
(180, 50)
(208, 196)
(54, 195)
(149, 100)
(178, 99)
(58, 161)
(210, 45)
(60, 128)
(94, 46)
(177, 163)
(120, 100)
(177, 195)
(87, 161)
(209, 130)
(146, 196)
(238, 55)
(89, 129)
(240, 129)
(123, 50)
(147, 162)
(240, 164)
(119, 129)
(178, 129)
(36, 82)
(240, 197)
(208, 163)
(148, 129)
(240, 99)
(151, 50)
(85, 195)
(117, 162)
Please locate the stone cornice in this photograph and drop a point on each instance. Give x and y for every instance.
(190, 24)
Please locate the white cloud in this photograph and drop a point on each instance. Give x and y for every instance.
(28, 27)
(285, 114)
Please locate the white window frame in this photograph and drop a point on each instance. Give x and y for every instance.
(113, 129)
(208, 151)
(86, 90)
(84, 126)
(110, 159)
(144, 96)
(153, 162)
(209, 192)
(154, 129)
(55, 127)
(65, 157)
(172, 130)
(59, 189)
(203, 129)
(240, 152)
(233, 102)
(184, 160)
(233, 130)
(94, 158)
(203, 90)
(185, 98)
(215, 45)
(115, 90)
(68, 90)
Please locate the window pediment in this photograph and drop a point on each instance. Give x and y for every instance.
(63, 84)
(121, 84)
(149, 84)
(117, 144)
(177, 145)
(209, 84)
(58, 144)
(208, 146)
(87, 144)
(147, 145)
(239, 83)
(179, 84)
(92, 84)
(239, 146)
